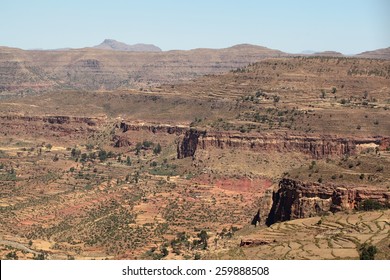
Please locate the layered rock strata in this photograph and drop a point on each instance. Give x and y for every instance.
(317, 146)
(295, 199)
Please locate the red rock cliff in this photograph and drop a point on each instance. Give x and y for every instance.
(295, 199)
(317, 146)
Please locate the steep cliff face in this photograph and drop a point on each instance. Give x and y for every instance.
(295, 199)
(187, 147)
(317, 146)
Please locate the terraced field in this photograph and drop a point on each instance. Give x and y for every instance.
(337, 236)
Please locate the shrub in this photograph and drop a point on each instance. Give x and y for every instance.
(379, 168)
(40, 256)
(89, 146)
(344, 101)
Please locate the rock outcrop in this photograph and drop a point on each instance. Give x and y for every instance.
(295, 199)
(187, 147)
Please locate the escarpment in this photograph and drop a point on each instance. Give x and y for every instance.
(295, 199)
(316, 146)
(57, 125)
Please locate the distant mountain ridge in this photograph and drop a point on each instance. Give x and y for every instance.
(110, 44)
(379, 54)
(113, 65)
(106, 68)
(328, 53)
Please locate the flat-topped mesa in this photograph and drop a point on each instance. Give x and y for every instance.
(317, 146)
(295, 199)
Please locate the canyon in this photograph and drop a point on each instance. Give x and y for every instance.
(91, 167)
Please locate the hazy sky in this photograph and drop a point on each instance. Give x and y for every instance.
(348, 26)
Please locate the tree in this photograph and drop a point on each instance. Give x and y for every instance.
(157, 149)
(138, 148)
(256, 219)
(102, 155)
(203, 236)
(40, 256)
(164, 251)
(367, 252)
(75, 152)
(83, 157)
(128, 161)
(136, 177)
(370, 204)
(11, 256)
(49, 146)
(56, 158)
(197, 256)
(147, 143)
